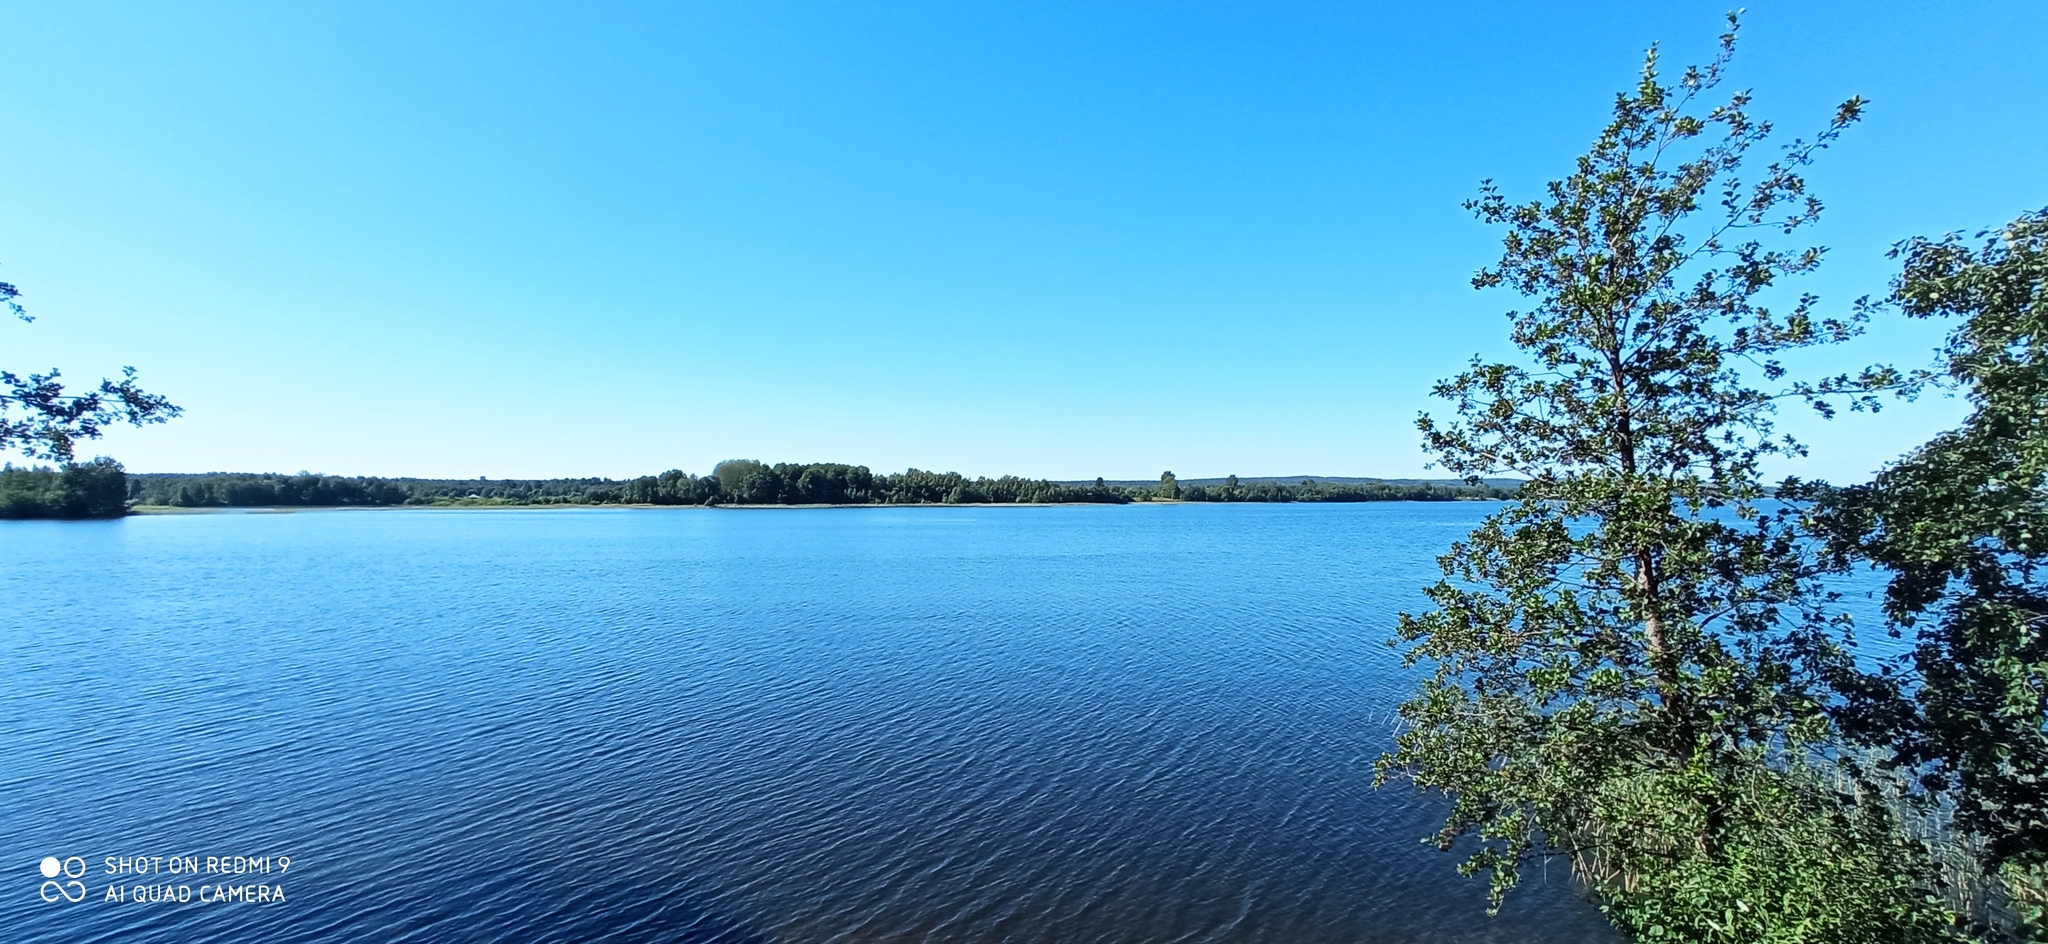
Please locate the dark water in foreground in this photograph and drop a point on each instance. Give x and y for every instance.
(1136, 724)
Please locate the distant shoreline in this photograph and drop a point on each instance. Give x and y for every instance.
(480, 506)
(733, 483)
(150, 510)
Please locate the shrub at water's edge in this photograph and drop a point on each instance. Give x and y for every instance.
(96, 489)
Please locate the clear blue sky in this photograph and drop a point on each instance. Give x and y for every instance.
(1051, 239)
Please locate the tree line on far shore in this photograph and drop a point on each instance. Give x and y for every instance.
(101, 489)
(96, 489)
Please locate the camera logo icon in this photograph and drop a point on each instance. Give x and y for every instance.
(61, 879)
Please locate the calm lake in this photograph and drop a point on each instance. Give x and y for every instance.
(1038, 724)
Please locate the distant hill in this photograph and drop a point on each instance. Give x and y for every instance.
(1297, 480)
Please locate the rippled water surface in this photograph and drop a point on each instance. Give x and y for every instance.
(1083, 724)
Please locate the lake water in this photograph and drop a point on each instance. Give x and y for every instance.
(1056, 724)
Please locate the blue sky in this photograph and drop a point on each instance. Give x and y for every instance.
(1058, 240)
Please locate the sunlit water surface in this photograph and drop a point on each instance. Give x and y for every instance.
(1082, 724)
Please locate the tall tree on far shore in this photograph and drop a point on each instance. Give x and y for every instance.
(41, 421)
(1629, 662)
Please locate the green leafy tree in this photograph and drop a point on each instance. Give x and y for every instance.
(1629, 661)
(39, 419)
(1169, 487)
(1962, 526)
(96, 489)
(733, 475)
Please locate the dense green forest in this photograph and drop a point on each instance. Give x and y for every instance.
(96, 489)
(102, 489)
(745, 482)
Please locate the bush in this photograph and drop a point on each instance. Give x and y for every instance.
(1791, 860)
